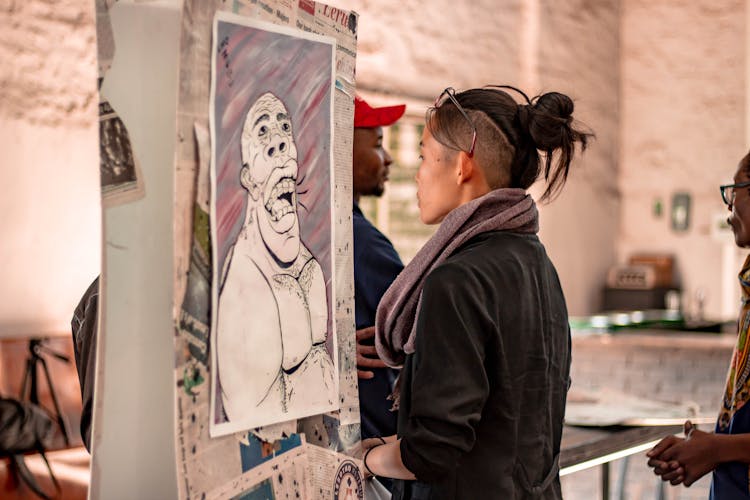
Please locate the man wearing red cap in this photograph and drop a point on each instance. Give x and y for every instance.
(376, 265)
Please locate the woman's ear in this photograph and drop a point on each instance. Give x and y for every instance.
(470, 176)
(465, 168)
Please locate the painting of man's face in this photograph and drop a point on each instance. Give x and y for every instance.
(273, 329)
(269, 173)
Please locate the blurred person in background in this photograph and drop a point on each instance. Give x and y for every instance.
(726, 451)
(376, 265)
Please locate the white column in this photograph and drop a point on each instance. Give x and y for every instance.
(133, 433)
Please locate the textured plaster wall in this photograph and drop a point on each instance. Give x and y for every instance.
(578, 55)
(662, 83)
(684, 88)
(415, 50)
(49, 163)
(49, 74)
(419, 48)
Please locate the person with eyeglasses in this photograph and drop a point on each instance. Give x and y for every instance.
(726, 451)
(477, 320)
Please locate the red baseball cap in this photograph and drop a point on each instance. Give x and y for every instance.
(365, 116)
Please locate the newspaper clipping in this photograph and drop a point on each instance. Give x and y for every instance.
(121, 179)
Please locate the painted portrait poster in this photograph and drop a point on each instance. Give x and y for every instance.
(273, 339)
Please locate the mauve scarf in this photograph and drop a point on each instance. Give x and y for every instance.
(499, 210)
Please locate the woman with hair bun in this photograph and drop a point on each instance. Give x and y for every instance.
(477, 320)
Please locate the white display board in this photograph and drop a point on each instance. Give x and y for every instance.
(133, 435)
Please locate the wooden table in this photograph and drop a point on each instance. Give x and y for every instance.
(585, 447)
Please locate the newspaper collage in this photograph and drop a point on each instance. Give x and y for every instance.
(301, 458)
(121, 177)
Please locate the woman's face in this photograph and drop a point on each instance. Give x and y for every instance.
(740, 208)
(438, 189)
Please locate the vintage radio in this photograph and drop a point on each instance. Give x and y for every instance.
(644, 283)
(662, 265)
(632, 277)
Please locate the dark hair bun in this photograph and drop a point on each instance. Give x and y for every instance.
(549, 120)
(555, 104)
(548, 124)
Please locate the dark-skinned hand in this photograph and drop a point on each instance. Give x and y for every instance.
(367, 356)
(684, 460)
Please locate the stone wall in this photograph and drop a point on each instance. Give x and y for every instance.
(49, 53)
(49, 172)
(684, 91)
(578, 47)
(662, 84)
(410, 52)
(670, 367)
(417, 49)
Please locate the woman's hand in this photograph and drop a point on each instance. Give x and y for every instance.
(367, 444)
(382, 457)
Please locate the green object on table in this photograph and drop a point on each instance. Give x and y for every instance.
(627, 320)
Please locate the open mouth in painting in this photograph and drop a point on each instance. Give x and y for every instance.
(281, 199)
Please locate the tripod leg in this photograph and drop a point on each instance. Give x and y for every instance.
(28, 376)
(60, 419)
(34, 390)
